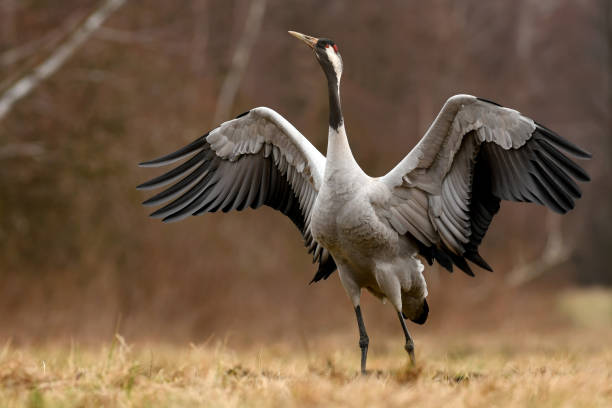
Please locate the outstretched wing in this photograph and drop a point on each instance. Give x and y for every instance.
(257, 159)
(446, 191)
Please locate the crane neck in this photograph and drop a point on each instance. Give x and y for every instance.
(335, 110)
(339, 155)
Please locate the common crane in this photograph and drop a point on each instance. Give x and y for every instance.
(437, 203)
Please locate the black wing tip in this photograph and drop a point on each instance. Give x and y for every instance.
(458, 260)
(586, 178)
(477, 259)
(150, 163)
(150, 184)
(325, 270)
(200, 142)
(563, 143)
(446, 258)
(463, 265)
(243, 114)
(321, 275)
(489, 101)
(149, 202)
(442, 258)
(174, 218)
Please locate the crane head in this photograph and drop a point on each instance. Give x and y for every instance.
(327, 54)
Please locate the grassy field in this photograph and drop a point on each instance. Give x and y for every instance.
(562, 369)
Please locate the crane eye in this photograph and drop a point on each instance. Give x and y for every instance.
(335, 48)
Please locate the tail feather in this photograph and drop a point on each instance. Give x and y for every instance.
(418, 316)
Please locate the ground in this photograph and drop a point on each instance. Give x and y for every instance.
(568, 368)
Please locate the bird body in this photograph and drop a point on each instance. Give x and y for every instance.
(437, 203)
(348, 221)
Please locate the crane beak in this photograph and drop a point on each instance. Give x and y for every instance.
(310, 41)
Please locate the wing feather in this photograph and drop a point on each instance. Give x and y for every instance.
(256, 159)
(475, 154)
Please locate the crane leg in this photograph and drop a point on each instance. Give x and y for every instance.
(409, 343)
(364, 340)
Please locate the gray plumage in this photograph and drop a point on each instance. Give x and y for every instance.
(254, 160)
(438, 202)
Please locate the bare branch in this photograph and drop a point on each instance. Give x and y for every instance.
(240, 60)
(25, 85)
(20, 150)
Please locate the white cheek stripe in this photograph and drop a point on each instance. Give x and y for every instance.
(331, 54)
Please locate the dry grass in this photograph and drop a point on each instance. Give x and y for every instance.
(509, 369)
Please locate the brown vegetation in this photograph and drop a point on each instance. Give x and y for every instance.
(78, 253)
(567, 370)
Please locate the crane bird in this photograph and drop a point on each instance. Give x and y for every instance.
(437, 203)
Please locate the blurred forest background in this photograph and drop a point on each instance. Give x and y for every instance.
(79, 256)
